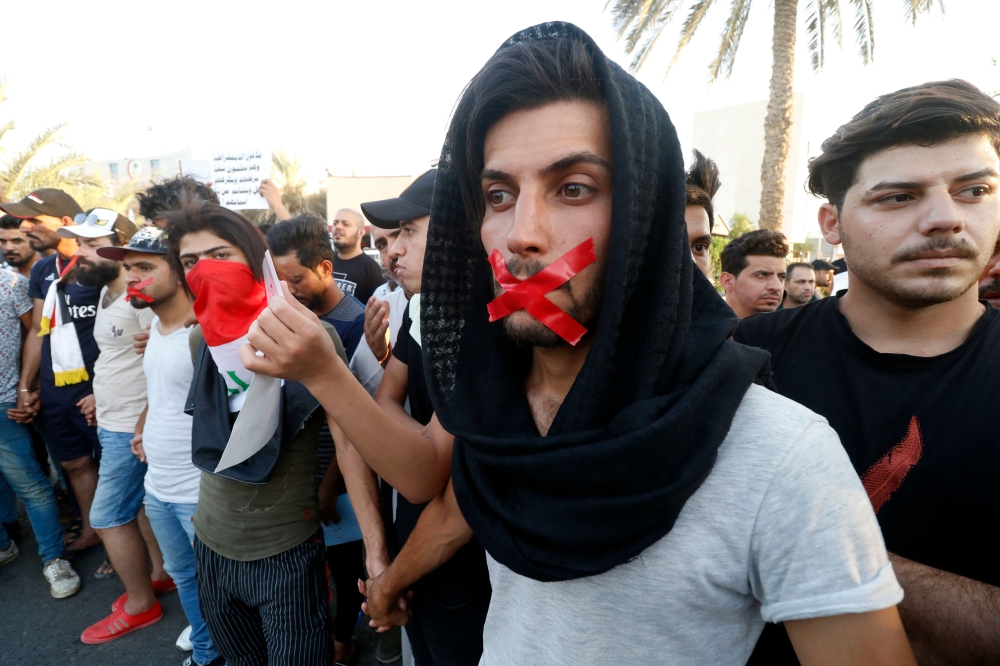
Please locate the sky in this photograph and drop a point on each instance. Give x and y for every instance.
(368, 87)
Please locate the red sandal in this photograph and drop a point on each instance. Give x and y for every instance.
(120, 623)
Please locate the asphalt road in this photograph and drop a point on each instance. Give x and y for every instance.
(37, 630)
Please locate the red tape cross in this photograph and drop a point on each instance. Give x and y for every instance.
(135, 292)
(530, 294)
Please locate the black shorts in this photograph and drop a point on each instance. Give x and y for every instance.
(67, 432)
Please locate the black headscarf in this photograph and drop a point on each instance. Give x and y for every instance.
(639, 430)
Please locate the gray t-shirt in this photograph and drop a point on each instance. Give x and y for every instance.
(14, 302)
(781, 530)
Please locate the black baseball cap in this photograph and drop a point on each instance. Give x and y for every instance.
(823, 265)
(413, 202)
(150, 240)
(44, 201)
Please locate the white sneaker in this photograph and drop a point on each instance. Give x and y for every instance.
(9, 554)
(184, 640)
(63, 581)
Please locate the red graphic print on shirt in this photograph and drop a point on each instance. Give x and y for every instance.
(886, 476)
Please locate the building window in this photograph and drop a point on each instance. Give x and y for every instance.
(154, 166)
(114, 170)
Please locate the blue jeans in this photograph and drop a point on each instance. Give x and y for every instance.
(120, 490)
(174, 532)
(22, 472)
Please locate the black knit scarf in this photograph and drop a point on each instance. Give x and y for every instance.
(639, 431)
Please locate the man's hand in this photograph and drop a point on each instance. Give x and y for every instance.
(272, 195)
(19, 415)
(88, 407)
(377, 328)
(387, 607)
(140, 340)
(295, 345)
(29, 400)
(137, 449)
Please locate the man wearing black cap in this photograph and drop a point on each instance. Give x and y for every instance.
(452, 603)
(613, 454)
(74, 441)
(824, 277)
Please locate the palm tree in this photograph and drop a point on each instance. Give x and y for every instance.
(645, 20)
(26, 171)
(286, 172)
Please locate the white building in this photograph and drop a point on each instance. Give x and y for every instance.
(733, 136)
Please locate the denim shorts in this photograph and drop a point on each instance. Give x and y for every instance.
(120, 488)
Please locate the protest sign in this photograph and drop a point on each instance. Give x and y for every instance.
(236, 177)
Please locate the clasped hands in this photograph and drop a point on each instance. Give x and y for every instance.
(387, 607)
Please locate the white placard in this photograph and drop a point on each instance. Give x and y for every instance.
(236, 177)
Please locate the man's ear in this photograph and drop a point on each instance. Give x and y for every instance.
(325, 268)
(727, 280)
(829, 223)
(66, 220)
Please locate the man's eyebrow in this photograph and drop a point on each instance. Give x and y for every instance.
(988, 172)
(208, 251)
(584, 157)
(703, 239)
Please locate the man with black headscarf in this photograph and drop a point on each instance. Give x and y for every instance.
(611, 449)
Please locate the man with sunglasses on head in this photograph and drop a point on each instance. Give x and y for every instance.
(74, 442)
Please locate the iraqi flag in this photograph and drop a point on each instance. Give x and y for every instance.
(228, 300)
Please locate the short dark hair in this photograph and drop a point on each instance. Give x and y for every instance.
(798, 264)
(922, 116)
(762, 242)
(168, 195)
(193, 216)
(307, 235)
(10, 222)
(526, 75)
(702, 183)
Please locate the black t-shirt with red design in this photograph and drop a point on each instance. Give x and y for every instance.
(923, 434)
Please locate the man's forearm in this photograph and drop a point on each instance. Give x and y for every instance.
(408, 460)
(949, 619)
(362, 488)
(31, 360)
(440, 531)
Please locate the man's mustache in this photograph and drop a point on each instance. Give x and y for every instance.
(961, 247)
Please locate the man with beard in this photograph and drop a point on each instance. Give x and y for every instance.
(62, 393)
(613, 453)
(118, 402)
(384, 310)
(912, 189)
(989, 282)
(824, 277)
(356, 273)
(800, 286)
(753, 272)
(18, 255)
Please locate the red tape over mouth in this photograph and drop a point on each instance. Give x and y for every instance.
(530, 294)
(134, 292)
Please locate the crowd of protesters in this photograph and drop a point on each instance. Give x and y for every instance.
(537, 433)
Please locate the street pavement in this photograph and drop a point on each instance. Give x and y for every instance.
(37, 630)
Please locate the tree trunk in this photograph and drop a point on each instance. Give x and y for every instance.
(778, 124)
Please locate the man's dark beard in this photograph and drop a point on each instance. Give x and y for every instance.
(312, 301)
(345, 245)
(537, 334)
(40, 245)
(14, 259)
(97, 274)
